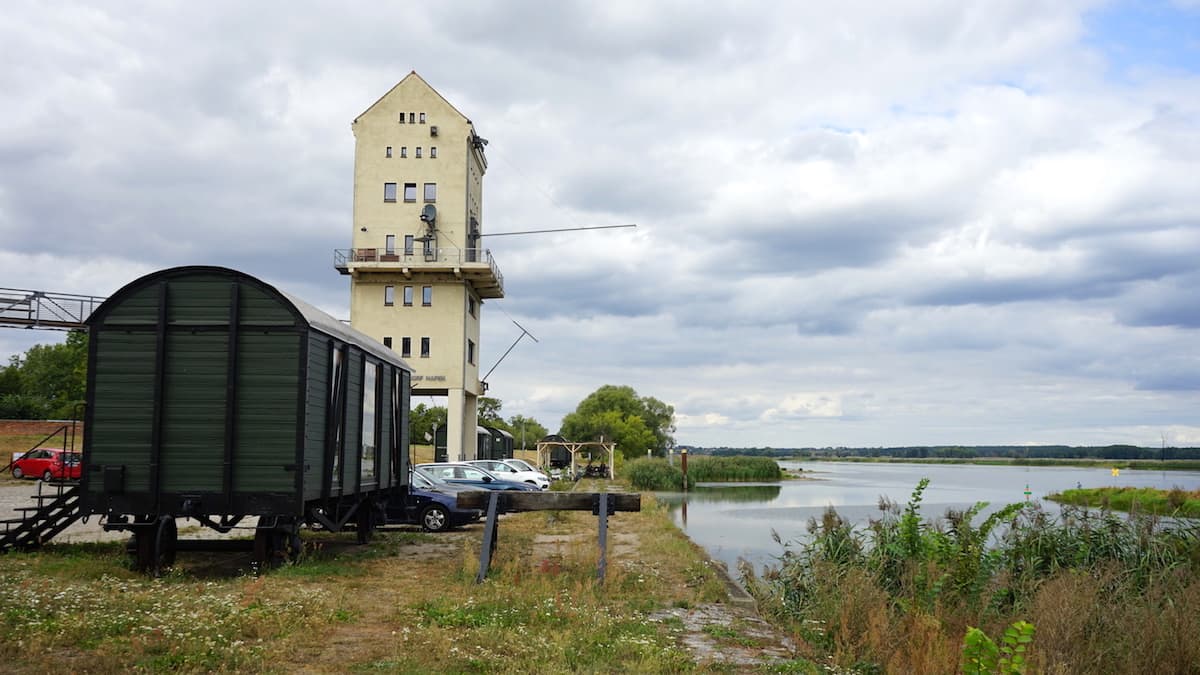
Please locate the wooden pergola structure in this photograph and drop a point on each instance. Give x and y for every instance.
(575, 447)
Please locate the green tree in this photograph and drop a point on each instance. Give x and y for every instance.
(49, 382)
(526, 431)
(422, 420)
(616, 413)
(489, 411)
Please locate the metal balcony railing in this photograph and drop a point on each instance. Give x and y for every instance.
(344, 258)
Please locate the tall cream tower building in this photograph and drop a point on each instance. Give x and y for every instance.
(418, 274)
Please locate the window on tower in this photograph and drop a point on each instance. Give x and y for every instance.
(433, 152)
(422, 118)
(406, 347)
(418, 152)
(412, 118)
(403, 151)
(470, 352)
(388, 152)
(389, 192)
(426, 296)
(471, 306)
(424, 347)
(389, 296)
(410, 192)
(408, 244)
(431, 192)
(387, 342)
(401, 118)
(408, 295)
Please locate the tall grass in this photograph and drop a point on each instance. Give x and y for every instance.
(711, 469)
(1174, 502)
(649, 473)
(1105, 593)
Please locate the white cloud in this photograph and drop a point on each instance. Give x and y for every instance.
(862, 224)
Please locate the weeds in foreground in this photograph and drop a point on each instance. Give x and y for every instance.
(1105, 592)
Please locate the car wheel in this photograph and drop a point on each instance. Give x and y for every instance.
(47, 476)
(17, 472)
(435, 518)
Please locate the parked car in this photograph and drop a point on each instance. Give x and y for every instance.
(431, 503)
(461, 473)
(47, 464)
(524, 466)
(507, 471)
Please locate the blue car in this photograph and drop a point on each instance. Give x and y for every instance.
(461, 473)
(431, 503)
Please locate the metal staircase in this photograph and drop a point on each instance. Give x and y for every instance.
(57, 508)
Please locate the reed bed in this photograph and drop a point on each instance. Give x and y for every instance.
(1103, 593)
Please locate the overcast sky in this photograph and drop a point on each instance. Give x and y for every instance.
(882, 224)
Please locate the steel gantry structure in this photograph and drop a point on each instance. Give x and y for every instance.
(38, 309)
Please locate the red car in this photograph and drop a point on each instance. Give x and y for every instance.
(47, 464)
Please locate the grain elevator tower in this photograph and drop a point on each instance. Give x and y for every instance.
(418, 275)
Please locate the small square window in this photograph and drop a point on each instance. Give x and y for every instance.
(388, 152)
(418, 152)
(426, 296)
(432, 152)
(387, 342)
(389, 296)
(424, 347)
(389, 192)
(408, 244)
(470, 352)
(403, 151)
(408, 295)
(422, 118)
(431, 192)
(406, 347)
(412, 118)
(410, 192)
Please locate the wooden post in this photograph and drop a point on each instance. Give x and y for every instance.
(683, 463)
(489, 538)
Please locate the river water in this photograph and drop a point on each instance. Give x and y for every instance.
(736, 520)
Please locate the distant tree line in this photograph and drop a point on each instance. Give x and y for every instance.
(968, 452)
(47, 382)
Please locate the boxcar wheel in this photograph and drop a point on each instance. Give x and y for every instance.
(17, 472)
(435, 518)
(265, 547)
(366, 523)
(154, 544)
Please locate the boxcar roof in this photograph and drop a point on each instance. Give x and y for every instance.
(304, 312)
(331, 326)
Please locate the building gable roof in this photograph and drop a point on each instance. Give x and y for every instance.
(413, 76)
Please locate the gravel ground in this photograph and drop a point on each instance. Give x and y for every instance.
(14, 494)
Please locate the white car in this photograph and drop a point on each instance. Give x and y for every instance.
(506, 471)
(522, 465)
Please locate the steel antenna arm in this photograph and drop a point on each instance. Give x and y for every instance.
(511, 347)
(562, 229)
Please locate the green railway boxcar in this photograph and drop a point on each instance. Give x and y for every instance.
(214, 396)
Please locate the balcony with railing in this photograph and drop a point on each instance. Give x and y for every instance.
(471, 264)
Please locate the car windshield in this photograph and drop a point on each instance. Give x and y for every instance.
(520, 464)
(428, 475)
